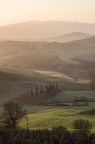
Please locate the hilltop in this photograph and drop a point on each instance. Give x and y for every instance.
(38, 30)
(68, 37)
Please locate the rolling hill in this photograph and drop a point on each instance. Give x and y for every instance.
(55, 117)
(45, 55)
(68, 37)
(37, 30)
(13, 83)
(71, 58)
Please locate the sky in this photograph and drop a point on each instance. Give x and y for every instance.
(14, 11)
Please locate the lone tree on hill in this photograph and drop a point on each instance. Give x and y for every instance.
(82, 125)
(12, 113)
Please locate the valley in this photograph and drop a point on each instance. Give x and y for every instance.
(67, 60)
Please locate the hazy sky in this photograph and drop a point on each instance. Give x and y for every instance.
(68, 10)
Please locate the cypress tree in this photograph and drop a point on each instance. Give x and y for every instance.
(41, 90)
(36, 90)
(32, 92)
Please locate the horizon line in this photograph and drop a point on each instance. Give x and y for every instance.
(45, 21)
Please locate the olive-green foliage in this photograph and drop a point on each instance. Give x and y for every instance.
(11, 114)
(57, 135)
(82, 125)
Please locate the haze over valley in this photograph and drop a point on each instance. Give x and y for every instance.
(47, 72)
(42, 30)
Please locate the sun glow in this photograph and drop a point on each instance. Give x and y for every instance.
(64, 10)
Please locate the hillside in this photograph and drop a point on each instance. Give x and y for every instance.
(9, 85)
(80, 47)
(55, 117)
(68, 37)
(71, 58)
(37, 30)
(45, 55)
(13, 83)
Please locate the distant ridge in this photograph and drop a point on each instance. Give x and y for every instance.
(37, 30)
(1, 40)
(68, 37)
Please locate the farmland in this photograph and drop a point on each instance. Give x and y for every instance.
(57, 116)
(41, 117)
(71, 95)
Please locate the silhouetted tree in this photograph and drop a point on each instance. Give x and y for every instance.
(82, 125)
(41, 91)
(32, 93)
(36, 90)
(92, 84)
(12, 113)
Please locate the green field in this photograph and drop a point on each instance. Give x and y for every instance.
(36, 108)
(71, 95)
(57, 116)
(47, 116)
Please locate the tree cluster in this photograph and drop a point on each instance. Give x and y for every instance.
(82, 101)
(40, 94)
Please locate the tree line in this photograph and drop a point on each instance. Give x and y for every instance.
(40, 94)
(58, 135)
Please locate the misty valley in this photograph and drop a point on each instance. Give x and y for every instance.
(47, 83)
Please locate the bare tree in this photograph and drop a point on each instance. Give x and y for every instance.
(12, 113)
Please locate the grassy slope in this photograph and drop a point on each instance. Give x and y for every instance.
(15, 82)
(55, 117)
(71, 95)
(45, 116)
(68, 37)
